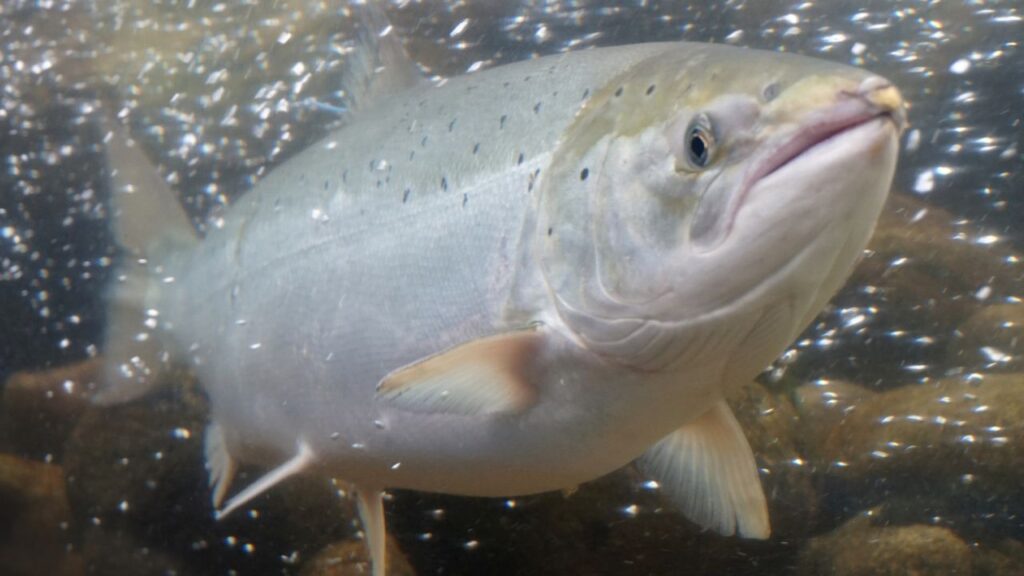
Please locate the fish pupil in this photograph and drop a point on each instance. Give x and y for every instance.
(698, 148)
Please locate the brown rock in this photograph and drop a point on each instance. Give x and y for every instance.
(40, 408)
(991, 339)
(1005, 558)
(112, 552)
(923, 275)
(956, 444)
(924, 260)
(821, 406)
(34, 519)
(859, 549)
(351, 558)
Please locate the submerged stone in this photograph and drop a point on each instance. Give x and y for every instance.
(991, 339)
(860, 549)
(956, 443)
(34, 518)
(40, 408)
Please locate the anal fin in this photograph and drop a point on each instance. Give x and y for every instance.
(303, 458)
(219, 463)
(371, 512)
(708, 470)
(485, 376)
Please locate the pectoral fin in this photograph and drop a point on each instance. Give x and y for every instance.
(708, 470)
(485, 376)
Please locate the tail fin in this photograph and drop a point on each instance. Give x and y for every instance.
(150, 226)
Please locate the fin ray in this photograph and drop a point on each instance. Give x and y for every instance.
(708, 470)
(219, 463)
(371, 512)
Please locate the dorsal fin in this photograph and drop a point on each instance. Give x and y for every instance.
(379, 65)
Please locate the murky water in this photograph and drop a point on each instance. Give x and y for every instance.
(889, 435)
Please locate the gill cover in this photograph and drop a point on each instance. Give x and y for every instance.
(618, 202)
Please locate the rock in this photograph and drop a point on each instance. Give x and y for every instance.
(113, 552)
(860, 549)
(1005, 558)
(618, 524)
(927, 260)
(924, 273)
(991, 339)
(34, 520)
(134, 461)
(821, 406)
(40, 408)
(350, 558)
(957, 444)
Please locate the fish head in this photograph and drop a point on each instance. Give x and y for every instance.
(714, 191)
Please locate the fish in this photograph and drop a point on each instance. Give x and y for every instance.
(513, 281)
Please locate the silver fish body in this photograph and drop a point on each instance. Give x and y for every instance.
(527, 277)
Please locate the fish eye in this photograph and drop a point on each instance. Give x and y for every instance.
(699, 142)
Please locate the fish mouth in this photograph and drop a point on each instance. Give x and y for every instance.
(815, 134)
(874, 109)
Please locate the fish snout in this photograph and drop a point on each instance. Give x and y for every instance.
(884, 97)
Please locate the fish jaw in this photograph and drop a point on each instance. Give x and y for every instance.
(775, 221)
(810, 114)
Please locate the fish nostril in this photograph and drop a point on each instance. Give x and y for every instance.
(872, 84)
(770, 91)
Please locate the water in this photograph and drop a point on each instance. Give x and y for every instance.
(892, 426)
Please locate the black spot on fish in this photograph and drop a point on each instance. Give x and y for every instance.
(405, 195)
(584, 173)
(476, 148)
(526, 79)
(451, 125)
(327, 184)
(444, 183)
(519, 160)
(586, 93)
(423, 142)
(550, 231)
(412, 154)
(344, 176)
(618, 92)
(650, 90)
(501, 122)
(465, 198)
(536, 108)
